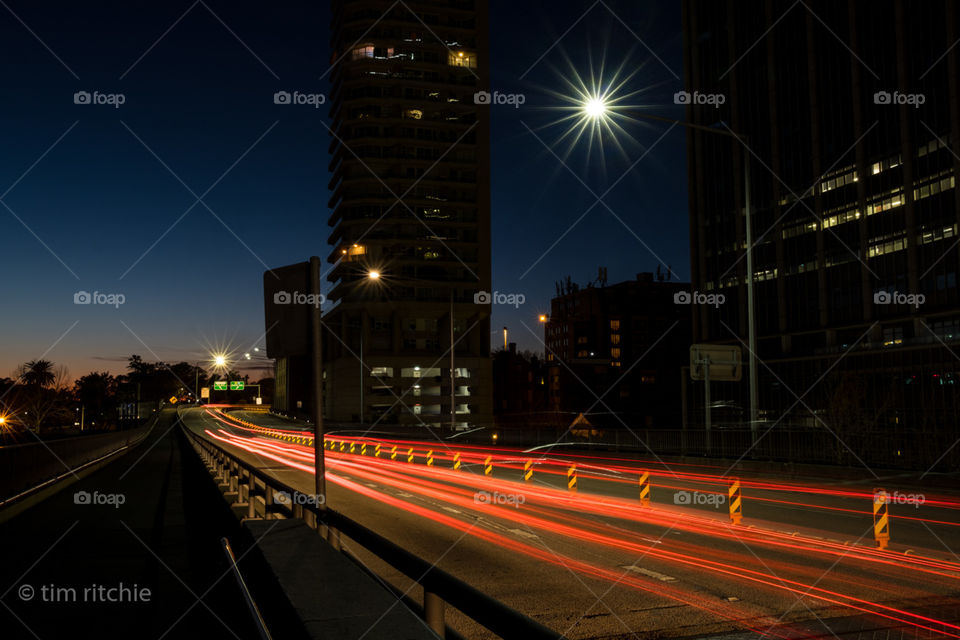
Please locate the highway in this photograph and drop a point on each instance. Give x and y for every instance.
(596, 562)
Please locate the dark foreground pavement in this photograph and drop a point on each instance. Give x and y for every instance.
(130, 551)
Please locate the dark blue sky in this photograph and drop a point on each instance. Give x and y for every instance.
(99, 210)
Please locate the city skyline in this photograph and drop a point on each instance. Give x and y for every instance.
(103, 197)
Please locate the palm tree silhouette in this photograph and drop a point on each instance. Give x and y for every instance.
(37, 373)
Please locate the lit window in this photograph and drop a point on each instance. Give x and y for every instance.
(462, 59)
(413, 114)
(614, 338)
(614, 325)
(615, 353)
(356, 250)
(366, 51)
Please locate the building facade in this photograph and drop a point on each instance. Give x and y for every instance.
(615, 352)
(410, 205)
(851, 112)
(519, 387)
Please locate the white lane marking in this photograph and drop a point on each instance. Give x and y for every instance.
(452, 510)
(404, 495)
(662, 577)
(524, 534)
(371, 485)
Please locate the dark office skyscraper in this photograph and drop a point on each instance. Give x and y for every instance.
(851, 112)
(411, 203)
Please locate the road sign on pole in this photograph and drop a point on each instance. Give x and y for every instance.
(716, 362)
(220, 385)
(205, 393)
(724, 361)
(236, 385)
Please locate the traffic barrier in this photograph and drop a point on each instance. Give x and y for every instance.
(410, 455)
(528, 470)
(881, 518)
(645, 489)
(456, 462)
(572, 478)
(488, 466)
(430, 458)
(377, 451)
(343, 445)
(735, 501)
(353, 447)
(363, 449)
(393, 453)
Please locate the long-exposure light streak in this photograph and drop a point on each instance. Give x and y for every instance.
(273, 451)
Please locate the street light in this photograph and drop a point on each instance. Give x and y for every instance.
(596, 109)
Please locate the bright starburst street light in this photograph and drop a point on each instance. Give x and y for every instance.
(373, 275)
(595, 107)
(220, 360)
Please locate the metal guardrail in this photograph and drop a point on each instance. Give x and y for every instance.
(28, 467)
(244, 482)
(251, 605)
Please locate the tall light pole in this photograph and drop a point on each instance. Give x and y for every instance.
(595, 108)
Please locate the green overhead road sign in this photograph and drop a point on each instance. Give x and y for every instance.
(236, 385)
(220, 386)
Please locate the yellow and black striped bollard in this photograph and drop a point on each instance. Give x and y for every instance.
(735, 500)
(430, 458)
(377, 450)
(456, 462)
(572, 478)
(528, 471)
(488, 466)
(881, 518)
(363, 449)
(645, 489)
(393, 453)
(353, 447)
(410, 455)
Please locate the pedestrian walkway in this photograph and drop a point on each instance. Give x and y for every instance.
(130, 551)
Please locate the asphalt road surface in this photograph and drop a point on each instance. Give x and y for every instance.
(597, 563)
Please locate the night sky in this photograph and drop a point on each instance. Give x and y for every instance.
(104, 199)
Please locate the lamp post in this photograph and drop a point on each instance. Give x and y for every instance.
(595, 108)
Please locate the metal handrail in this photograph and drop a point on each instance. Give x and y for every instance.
(254, 610)
(438, 585)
